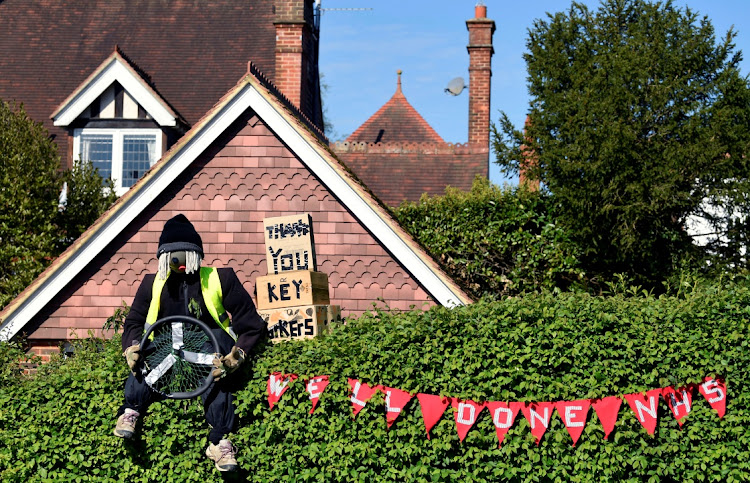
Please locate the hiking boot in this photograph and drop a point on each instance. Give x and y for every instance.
(126, 424)
(222, 455)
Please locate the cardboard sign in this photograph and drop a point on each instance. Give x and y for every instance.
(289, 243)
(291, 289)
(303, 322)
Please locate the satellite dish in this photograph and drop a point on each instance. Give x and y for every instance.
(456, 86)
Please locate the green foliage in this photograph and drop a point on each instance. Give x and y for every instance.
(543, 347)
(494, 241)
(637, 114)
(29, 187)
(12, 360)
(32, 230)
(116, 321)
(86, 201)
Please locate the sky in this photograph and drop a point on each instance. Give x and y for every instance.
(361, 50)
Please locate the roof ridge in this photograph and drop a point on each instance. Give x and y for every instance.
(397, 99)
(149, 82)
(268, 84)
(424, 147)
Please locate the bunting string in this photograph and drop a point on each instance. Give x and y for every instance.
(573, 414)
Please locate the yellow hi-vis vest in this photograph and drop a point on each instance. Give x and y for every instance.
(212, 297)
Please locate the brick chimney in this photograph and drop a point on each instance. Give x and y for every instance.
(480, 71)
(296, 47)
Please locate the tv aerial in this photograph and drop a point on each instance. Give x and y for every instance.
(456, 86)
(319, 7)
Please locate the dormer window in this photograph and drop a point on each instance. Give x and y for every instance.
(121, 154)
(117, 122)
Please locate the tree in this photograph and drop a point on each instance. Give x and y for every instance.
(32, 230)
(29, 186)
(88, 196)
(637, 115)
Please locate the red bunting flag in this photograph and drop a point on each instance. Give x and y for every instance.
(607, 409)
(433, 408)
(465, 413)
(361, 393)
(574, 414)
(395, 400)
(645, 408)
(538, 415)
(715, 392)
(503, 416)
(315, 387)
(278, 383)
(680, 401)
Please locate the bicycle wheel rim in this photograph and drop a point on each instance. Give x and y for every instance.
(174, 363)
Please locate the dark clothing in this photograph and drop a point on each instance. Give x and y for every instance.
(176, 295)
(217, 400)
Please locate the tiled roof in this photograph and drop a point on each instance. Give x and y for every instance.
(248, 158)
(399, 156)
(398, 172)
(396, 121)
(192, 52)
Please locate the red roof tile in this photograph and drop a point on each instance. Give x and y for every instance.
(190, 52)
(397, 172)
(396, 121)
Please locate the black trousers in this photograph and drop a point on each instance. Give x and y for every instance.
(218, 401)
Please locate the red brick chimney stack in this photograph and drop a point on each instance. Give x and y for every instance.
(480, 71)
(294, 39)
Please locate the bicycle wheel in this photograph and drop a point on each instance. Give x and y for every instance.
(178, 353)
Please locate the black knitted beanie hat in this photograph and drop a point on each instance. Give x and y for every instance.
(179, 235)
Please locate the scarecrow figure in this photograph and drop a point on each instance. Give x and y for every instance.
(179, 289)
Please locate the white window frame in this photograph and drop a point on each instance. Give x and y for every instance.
(117, 143)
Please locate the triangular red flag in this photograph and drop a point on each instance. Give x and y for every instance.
(646, 408)
(465, 414)
(433, 408)
(680, 401)
(277, 385)
(714, 389)
(361, 393)
(503, 416)
(607, 409)
(574, 414)
(315, 387)
(395, 400)
(538, 414)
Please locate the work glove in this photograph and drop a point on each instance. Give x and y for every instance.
(228, 363)
(131, 356)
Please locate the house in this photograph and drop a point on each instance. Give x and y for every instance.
(399, 156)
(251, 156)
(117, 82)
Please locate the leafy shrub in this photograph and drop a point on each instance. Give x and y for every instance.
(542, 347)
(29, 188)
(493, 240)
(35, 231)
(88, 197)
(12, 361)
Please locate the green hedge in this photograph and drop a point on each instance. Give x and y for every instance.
(495, 241)
(58, 425)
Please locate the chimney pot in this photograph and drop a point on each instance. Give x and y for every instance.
(480, 11)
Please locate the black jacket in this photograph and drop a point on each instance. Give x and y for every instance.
(246, 322)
